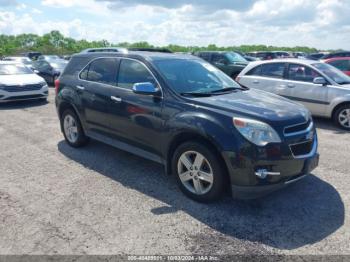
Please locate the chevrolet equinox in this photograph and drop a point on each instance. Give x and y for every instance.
(212, 134)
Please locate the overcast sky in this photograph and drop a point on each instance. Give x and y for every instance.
(324, 24)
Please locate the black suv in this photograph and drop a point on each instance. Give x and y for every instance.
(184, 113)
(231, 63)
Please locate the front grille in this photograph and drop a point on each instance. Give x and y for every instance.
(299, 128)
(302, 149)
(23, 88)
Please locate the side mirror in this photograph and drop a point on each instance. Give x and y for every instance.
(320, 81)
(146, 88)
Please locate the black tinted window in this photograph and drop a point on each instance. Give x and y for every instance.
(275, 70)
(205, 56)
(301, 73)
(256, 71)
(103, 71)
(219, 58)
(132, 72)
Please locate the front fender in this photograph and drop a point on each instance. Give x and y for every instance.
(218, 129)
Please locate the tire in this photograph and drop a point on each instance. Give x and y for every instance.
(193, 174)
(341, 117)
(73, 131)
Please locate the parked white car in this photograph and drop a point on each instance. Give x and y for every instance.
(322, 88)
(18, 82)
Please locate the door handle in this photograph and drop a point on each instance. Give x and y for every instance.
(256, 82)
(291, 85)
(81, 88)
(116, 99)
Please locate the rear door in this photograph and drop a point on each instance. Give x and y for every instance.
(94, 89)
(300, 88)
(267, 77)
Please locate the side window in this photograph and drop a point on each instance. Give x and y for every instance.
(256, 71)
(132, 72)
(302, 73)
(219, 58)
(205, 56)
(275, 70)
(84, 74)
(103, 70)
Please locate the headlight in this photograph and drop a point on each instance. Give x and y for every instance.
(43, 84)
(256, 132)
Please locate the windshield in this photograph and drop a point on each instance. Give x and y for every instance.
(14, 70)
(235, 57)
(333, 73)
(193, 76)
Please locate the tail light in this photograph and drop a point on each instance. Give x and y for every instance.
(57, 85)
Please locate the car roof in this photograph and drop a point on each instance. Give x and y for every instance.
(286, 60)
(150, 56)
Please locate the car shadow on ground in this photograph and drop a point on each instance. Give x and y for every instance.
(302, 214)
(327, 124)
(14, 105)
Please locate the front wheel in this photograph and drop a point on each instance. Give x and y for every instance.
(342, 116)
(198, 172)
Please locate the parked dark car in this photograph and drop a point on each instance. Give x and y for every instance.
(32, 55)
(49, 69)
(264, 55)
(230, 63)
(180, 111)
(337, 54)
(315, 56)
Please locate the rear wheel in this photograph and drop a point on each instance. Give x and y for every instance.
(198, 172)
(72, 129)
(342, 116)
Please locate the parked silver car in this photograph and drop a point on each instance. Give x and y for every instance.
(322, 88)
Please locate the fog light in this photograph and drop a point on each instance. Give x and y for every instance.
(263, 173)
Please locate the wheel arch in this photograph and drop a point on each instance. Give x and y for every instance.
(187, 136)
(335, 108)
(64, 105)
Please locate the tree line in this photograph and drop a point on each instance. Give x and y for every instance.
(56, 43)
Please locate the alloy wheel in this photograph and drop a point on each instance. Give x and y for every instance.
(70, 128)
(344, 118)
(195, 172)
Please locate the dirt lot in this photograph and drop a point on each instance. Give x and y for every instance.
(99, 200)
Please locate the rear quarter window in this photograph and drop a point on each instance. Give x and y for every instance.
(75, 65)
(256, 71)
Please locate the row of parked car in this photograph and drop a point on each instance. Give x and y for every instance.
(248, 137)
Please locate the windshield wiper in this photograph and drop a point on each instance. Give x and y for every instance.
(226, 89)
(199, 94)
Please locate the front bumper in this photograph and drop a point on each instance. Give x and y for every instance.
(6, 96)
(284, 167)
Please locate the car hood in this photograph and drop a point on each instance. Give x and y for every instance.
(20, 79)
(263, 106)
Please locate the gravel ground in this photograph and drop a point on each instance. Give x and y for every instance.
(99, 200)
